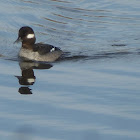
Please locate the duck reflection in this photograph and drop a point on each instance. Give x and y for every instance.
(25, 90)
(27, 77)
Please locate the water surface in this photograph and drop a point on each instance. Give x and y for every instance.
(91, 93)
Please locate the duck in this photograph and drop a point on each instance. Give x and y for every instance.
(36, 51)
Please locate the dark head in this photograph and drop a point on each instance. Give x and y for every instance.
(26, 36)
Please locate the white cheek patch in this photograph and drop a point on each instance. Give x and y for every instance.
(31, 80)
(30, 36)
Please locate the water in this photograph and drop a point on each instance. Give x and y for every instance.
(92, 93)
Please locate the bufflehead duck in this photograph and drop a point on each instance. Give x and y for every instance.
(38, 51)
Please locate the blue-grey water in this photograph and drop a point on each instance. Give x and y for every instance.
(93, 93)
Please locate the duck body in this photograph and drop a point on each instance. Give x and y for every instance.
(41, 52)
(38, 51)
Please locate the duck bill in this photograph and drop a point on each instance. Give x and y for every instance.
(18, 40)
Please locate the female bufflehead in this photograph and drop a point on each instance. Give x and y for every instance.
(38, 51)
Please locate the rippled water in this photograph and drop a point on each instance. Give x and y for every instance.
(91, 93)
